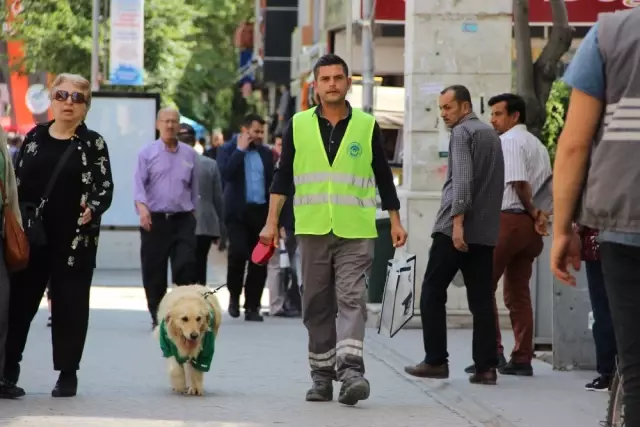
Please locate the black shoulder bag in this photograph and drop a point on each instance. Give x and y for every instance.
(32, 213)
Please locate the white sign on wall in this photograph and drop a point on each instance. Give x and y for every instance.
(126, 56)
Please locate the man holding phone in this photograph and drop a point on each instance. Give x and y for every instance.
(246, 167)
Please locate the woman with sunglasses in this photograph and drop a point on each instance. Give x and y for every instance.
(10, 194)
(64, 187)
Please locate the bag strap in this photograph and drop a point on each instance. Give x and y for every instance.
(3, 194)
(56, 172)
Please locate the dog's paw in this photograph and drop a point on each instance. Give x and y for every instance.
(182, 390)
(195, 391)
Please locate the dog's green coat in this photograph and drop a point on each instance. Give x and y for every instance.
(203, 361)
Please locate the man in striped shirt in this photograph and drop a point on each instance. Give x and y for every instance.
(526, 167)
(464, 237)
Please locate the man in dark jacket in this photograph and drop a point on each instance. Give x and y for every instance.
(246, 167)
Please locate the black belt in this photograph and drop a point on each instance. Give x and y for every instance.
(169, 215)
(515, 211)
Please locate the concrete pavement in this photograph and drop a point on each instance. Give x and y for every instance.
(259, 378)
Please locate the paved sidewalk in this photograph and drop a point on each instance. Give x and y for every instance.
(258, 379)
(549, 398)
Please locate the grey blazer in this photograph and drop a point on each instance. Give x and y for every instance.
(209, 212)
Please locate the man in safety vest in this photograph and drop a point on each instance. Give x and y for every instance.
(334, 155)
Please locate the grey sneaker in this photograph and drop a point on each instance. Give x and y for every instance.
(353, 391)
(320, 392)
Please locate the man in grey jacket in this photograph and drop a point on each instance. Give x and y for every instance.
(209, 227)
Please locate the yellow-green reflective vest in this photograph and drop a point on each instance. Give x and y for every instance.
(338, 198)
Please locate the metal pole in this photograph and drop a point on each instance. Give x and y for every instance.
(316, 21)
(367, 52)
(105, 47)
(95, 50)
(349, 34)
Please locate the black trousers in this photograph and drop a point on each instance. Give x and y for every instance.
(203, 245)
(172, 237)
(477, 269)
(621, 268)
(603, 334)
(244, 234)
(69, 289)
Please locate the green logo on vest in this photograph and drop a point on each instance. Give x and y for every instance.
(355, 150)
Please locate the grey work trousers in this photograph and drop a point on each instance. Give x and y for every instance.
(334, 272)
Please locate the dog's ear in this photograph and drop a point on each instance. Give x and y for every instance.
(168, 318)
(206, 315)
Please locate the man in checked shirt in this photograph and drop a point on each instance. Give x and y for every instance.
(464, 237)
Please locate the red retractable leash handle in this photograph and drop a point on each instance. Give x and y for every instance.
(262, 253)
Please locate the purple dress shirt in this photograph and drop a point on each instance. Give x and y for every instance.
(166, 181)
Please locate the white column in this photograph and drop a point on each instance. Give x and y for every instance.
(447, 42)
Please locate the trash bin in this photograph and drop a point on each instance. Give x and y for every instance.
(383, 252)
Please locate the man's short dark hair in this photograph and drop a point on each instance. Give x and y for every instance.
(327, 60)
(187, 134)
(515, 104)
(460, 93)
(252, 117)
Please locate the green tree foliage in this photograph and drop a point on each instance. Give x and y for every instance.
(190, 58)
(556, 112)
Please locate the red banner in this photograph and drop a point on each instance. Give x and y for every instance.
(388, 10)
(579, 11)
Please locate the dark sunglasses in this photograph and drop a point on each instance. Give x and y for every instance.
(76, 97)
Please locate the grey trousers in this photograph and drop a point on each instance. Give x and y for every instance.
(5, 289)
(333, 274)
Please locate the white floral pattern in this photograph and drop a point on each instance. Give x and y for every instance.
(96, 178)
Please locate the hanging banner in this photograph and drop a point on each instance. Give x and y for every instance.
(126, 49)
(579, 11)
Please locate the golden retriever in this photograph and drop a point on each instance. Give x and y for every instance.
(188, 316)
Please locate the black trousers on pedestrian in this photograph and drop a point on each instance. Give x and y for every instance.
(203, 245)
(477, 269)
(603, 334)
(244, 234)
(172, 237)
(69, 289)
(621, 268)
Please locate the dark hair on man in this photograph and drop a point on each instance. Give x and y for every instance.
(460, 93)
(515, 104)
(252, 117)
(227, 134)
(327, 60)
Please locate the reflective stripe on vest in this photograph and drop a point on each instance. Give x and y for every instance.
(336, 199)
(343, 178)
(622, 120)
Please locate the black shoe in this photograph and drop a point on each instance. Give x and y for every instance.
(9, 390)
(602, 383)
(489, 377)
(234, 310)
(518, 369)
(320, 392)
(253, 316)
(502, 362)
(66, 386)
(353, 391)
(49, 322)
(287, 313)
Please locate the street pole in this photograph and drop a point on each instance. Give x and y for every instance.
(367, 52)
(95, 50)
(349, 33)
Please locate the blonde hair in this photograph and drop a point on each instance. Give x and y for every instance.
(75, 79)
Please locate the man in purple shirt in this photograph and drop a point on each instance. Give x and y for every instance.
(166, 196)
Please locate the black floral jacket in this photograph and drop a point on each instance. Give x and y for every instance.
(96, 178)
